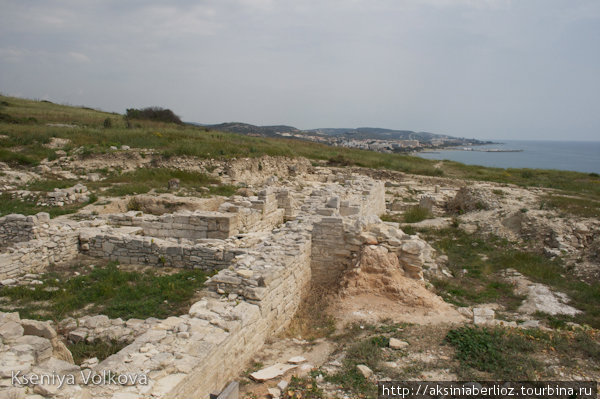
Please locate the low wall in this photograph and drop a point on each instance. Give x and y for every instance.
(132, 249)
(245, 305)
(61, 244)
(192, 226)
(19, 228)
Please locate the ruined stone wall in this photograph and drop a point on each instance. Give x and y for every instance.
(335, 238)
(59, 243)
(192, 226)
(18, 228)
(131, 249)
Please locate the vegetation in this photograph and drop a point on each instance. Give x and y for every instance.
(29, 206)
(475, 261)
(99, 349)
(311, 321)
(510, 354)
(416, 214)
(105, 290)
(572, 205)
(157, 114)
(23, 145)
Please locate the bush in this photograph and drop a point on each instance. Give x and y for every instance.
(157, 114)
(107, 123)
(416, 214)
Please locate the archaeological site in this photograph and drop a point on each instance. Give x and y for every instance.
(145, 260)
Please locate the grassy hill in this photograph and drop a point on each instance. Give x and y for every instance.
(25, 125)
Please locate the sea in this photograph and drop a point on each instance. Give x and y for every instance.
(579, 156)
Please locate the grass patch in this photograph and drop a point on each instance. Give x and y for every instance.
(10, 205)
(174, 139)
(98, 348)
(367, 352)
(510, 354)
(573, 206)
(483, 256)
(107, 290)
(501, 353)
(416, 214)
(311, 321)
(141, 181)
(303, 388)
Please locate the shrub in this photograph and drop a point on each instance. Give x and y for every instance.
(157, 114)
(416, 214)
(107, 123)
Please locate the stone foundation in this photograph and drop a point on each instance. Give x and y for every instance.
(262, 280)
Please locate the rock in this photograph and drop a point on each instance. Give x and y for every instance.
(398, 344)
(125, 395)
(467, 199)
(365, 371)
(274, 392)
(271, 372)
(282, 385)
(297, 360)
(245, 273)
(427, 203)
(465, 311)
(530, 324)
(14, 393)
(42, 347)
(59, 366)
(60, 351)
(78, 336)
(167, 384)
(482, 316)
(10, 330)
(38, 328)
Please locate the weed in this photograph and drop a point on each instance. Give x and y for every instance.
(108, 290)
(416, 214)
(97, 348)
(500, 352)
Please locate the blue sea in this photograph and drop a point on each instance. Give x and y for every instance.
(580, 156)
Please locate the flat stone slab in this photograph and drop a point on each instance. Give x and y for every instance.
(276, 370)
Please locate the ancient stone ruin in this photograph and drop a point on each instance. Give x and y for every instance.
(269, 250)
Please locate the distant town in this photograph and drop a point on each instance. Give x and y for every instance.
(366, 138)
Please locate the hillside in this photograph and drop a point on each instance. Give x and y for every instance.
(361, 133)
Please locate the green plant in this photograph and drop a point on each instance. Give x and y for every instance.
(134, 204)
(504, 354)
(98, 348)
(416, 214)
(107, 290)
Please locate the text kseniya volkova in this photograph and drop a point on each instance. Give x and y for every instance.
(86, 377)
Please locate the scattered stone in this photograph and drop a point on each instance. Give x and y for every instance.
(274, 392)
(282, 385)
(398, 344)
(297, 360)
(483, 316)
(365, 371)
(271, 372)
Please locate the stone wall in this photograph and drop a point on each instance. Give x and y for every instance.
(190, 225)
(56, 242)
(18, 228)
(134, 249)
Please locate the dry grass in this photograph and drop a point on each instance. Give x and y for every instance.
(312, 321)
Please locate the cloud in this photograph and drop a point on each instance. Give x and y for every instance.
(79, 57)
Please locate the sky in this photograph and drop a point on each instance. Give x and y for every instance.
(512, 69)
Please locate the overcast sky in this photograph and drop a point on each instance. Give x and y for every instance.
(520, 69)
